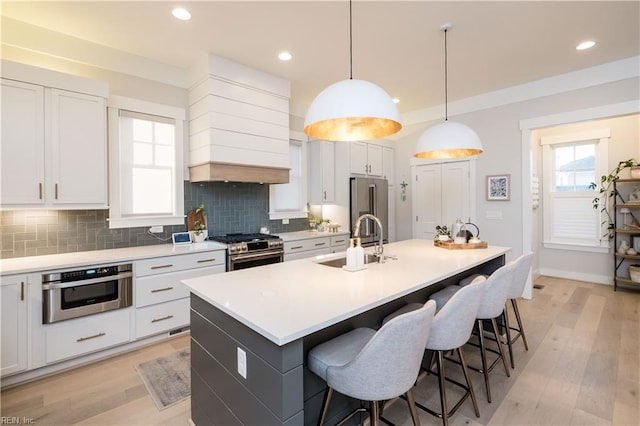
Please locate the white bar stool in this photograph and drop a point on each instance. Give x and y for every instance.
(375, 366)
(522, 266)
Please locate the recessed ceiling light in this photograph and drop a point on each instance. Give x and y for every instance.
(181, 13)
(585, 45)
(396, 100)
(284, 56)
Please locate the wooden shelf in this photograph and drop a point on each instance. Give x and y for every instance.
(626, 281)
(628, 205)
(628, 231)
(628, 181)
(628, 256)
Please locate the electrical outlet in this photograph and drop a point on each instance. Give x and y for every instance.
(156, 229)
(285, 221)
(242, 363)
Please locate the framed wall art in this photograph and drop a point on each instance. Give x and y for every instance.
(498, 188)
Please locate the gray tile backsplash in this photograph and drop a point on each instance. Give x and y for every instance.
(231, 207)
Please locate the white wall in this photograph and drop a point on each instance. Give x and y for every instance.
(499, 129)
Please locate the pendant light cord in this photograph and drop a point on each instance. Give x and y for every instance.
(446, 84)
(350, 43)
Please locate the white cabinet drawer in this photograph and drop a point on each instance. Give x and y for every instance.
(92, 333)
(161, 265)
(166, 287)
(162, 317)
(340, 242)
(308, 253)
(305, 245)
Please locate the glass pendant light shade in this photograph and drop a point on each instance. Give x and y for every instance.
(352, 110)
(448, 140)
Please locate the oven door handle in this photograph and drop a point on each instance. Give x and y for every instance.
(243, 257)
(98, 280)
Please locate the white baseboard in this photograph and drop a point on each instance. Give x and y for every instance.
(592, 278)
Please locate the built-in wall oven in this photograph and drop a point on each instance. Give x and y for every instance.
(251, 250)
(73, 294)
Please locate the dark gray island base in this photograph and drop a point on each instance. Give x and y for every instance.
(278, 388)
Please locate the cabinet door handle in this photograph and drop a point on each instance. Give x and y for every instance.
(82, 339)
(324, 195)
(56, 191)
(213, 259)
(366, 168)
(158, 290)
(339, 241)
(162, 266)
(40, 190)
(162, 319)
(22, 290)
(296, 247)
(320, 244)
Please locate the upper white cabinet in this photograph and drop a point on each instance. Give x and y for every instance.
(54, 146)
(366, 159)
(322, 177)
(388, 165)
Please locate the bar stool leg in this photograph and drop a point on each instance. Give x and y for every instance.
(508, 331)
(517, 312)
(325, 404)
(412, 408)
(483, 356)
(463, 362)
(375, 415)
(504, 359)
(443, 389)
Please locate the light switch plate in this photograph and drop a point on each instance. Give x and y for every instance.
(242, 363)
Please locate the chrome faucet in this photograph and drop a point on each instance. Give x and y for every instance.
(378, 249)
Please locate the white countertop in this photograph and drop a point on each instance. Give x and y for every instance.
(287, 301)
(23, 265)
(305, 235)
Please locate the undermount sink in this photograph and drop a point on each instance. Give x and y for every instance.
(341, 261)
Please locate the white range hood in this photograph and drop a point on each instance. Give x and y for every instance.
(238, 123)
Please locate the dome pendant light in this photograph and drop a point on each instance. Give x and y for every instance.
(448, 139)
(352, 110)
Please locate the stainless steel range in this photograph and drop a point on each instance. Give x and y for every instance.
(249, 250)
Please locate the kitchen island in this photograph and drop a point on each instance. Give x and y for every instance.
(252, 329)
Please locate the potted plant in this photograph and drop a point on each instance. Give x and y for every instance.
(606, 193)
(200, 224)
(443, 233)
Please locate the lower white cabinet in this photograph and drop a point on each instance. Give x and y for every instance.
(161, 300)
(13, 298)
(159, 318)
(339, 243)
(71, 338)
(300, 249)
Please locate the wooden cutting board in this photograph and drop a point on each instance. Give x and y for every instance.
(193, 217)
(453, 246)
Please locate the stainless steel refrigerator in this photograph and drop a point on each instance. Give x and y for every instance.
(369, 195)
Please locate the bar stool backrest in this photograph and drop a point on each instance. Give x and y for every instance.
(496, 289)
(389, 364)
(453, 324)
(520, 275)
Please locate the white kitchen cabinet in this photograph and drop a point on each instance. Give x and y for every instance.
(322, 177)
(75, 337)
(300, 249)
(388, 165)
(441, 194)
(54, 148)
(161, 300)
(339, 243)
(366, 159)
(14, 303)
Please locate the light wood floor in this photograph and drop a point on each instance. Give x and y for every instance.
(582, 368)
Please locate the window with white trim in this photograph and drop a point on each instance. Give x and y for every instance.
(289, 200)
(570, 163)
(146, 170)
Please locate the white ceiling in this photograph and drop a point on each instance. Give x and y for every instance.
(396, 44)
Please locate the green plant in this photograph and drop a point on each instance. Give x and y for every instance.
(199, 226)
(606, 194)
(442, 230)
